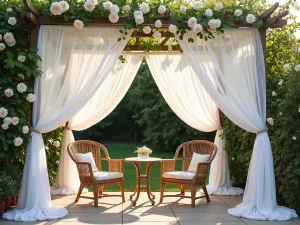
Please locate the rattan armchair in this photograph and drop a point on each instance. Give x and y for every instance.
(88, 177)
(183, 178)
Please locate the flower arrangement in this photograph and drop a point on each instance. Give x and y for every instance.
(202, 18)
(143, 152)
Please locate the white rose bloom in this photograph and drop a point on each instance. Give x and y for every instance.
(95, 2)
(208, 13)
(114, 8)
(157, 35)
(270, 121)
(3, 112)
(64, 5)
(294, 138)
(219, 6)
(56, 8)
(107, 5)
(147, 30)
(280, 82)
(127, 8)
(138, 13)
(30, 98)
(8, 37)
(113, 17)
(280, 114)
(9, 92)
(214, 24)
(21, 58)
(287, 67)
(2, 46)
(21, 75)
(9, 10)
(18, 141)
(192, 22)
(197, 5)
(173, 29)
(162, 9)
(12, 21)
(4, 126)
(274, 93)
(238, 12)
(144, 7)
(232, 158)
(15, 121)
(7, 120)
(197, 28)
(21, 87)
(182, 9)
(11, 44)
(88, 6)
(139, 20)
(25, 129)
(297, 68)
(78, 24)
(250, 18)
(158, 23)
(56, 144)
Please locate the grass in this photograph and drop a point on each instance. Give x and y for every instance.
(122, 151)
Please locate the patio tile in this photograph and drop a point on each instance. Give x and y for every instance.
(92, 217)
(205, 217)
(89, 223)
(150, 217)
(89, 208)
(186, 201)
(199, 208)
(297, 220)
(259, 222)
(152, 223)
(213, 223)
(232, 201)
(50, 222)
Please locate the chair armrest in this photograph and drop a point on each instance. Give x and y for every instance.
(85, 169)
(116, 165)
(167, 165)
(202, 169)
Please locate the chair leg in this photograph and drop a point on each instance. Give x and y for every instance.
(79, 193)
(193, 195)
(162, 189)
(122, 191)
(205, 192)
(100, 191)
(182, 191)
(95, 187)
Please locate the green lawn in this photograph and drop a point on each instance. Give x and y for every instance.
(121, 151)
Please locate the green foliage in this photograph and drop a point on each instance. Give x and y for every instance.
(7, 186)
(282, 48)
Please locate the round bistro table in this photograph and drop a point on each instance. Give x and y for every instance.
(137, 163)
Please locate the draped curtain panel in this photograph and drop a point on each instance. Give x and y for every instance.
(74, 65)
(103, 102)
(187, 97)
(233, 74)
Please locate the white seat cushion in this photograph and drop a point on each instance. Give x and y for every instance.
(103, 175)
(181, 175)
(89, 158)
(197, 158)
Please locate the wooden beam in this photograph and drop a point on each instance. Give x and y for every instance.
(31, 17)
(269, 12)
(275, 19)
(279, 24)
(162, 48)
(30, 8)
(164, 41)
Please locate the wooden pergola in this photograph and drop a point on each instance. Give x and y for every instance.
(32, 16)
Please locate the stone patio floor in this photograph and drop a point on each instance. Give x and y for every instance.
(173, 211)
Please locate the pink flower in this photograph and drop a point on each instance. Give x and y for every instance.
(3, 112)
(56, 8)
(15, 121)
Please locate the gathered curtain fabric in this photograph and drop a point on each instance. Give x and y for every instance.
(103, 102)
(187, 97)
(74, 64)
(233, 74)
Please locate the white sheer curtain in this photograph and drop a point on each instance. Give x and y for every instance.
(239, 89)
(105, 99)
(70, 58)
(187, 97)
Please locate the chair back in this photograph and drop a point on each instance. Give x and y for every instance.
(185, 151)
(84, 146)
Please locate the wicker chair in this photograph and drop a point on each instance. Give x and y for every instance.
(97, 180)
(184, 153)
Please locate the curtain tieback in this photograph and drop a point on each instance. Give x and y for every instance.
(68, 128)
(262, 131)
(35, 131)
